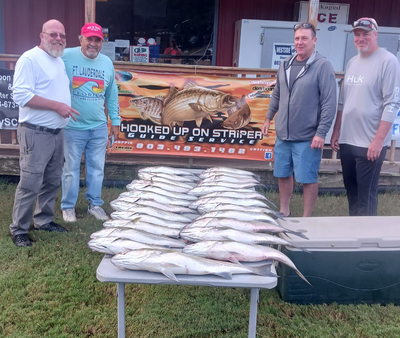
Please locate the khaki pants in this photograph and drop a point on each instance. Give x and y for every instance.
(41, 162)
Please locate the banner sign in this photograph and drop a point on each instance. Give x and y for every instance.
(8, 108)
(188, 115)
(396, 128)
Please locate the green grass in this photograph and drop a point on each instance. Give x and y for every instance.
(51, 290)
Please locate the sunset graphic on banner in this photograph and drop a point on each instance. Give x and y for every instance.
(187, 115)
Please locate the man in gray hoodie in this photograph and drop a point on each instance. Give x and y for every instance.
(304, 102)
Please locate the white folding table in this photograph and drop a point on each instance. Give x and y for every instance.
(107, 272)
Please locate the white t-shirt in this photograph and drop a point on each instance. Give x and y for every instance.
(37, 73)
(370, 94)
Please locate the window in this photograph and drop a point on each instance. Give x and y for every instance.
(176, 31)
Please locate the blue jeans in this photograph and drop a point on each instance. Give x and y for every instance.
(94, 143)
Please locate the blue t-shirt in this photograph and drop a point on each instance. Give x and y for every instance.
(91, 82)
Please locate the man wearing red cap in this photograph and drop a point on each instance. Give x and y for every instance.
(368, 104)
(92, 85)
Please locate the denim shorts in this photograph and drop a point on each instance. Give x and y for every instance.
(298, 158)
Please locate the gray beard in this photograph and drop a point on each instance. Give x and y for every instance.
(53, 52)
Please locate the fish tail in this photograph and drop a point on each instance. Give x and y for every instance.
(302, 277)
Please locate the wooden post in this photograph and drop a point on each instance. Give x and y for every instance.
(90, 11)
(313, 6)
(392, 151)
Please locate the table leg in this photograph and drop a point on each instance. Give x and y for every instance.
(254, 294)
(121, 309)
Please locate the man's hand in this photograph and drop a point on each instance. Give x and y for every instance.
(374, 149)
(317, 142)
(265, 127)
(66, 111)
(335, 140)
(114, 131)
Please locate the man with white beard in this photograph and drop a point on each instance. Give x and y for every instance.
(41, 89)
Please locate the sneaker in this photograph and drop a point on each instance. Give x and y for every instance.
(98, 212)
(21, 240)
(69, 215)
(51, 227)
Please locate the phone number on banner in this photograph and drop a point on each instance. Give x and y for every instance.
(148, 147)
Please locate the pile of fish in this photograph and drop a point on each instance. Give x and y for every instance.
(173, 222)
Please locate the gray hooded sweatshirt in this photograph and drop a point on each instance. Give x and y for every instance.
(309, 108)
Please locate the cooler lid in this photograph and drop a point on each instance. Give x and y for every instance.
(345, 232)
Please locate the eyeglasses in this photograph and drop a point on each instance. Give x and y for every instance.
(365, 23)
(54, 35)
(305, 25)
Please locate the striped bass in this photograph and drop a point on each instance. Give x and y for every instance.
(228, 171)
(151, 203)
(241, 216)
(218, 174)
(243, 185)
(231, 194)
(149, 107)
(157, 197)
(115, 245)
(161, 185)
(193, 103)
(161, 230)
(239, 252)
(161, 191)
(198, 191)
(141, 236)
(175, 263)
(166, 170)
(176, 178)
(155, 178)
(231, 179)
(208, 207)
(125, 215)
(214, 234)
(247, 202)
(143, 209)
(253, 226)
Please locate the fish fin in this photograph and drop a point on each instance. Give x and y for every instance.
(196, 107)
(233, 259)
(169, 274)
(156, 120)
(264, 270)
(190, 85)
(143, 115)
(296, 233)
(199, 120)
(209, 118)
(160, 97)
(225, 275)
(172, 92)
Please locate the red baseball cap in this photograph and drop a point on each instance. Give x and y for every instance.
(92, 29)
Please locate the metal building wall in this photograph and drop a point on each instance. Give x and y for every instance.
(23, 20)
(386, 12)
